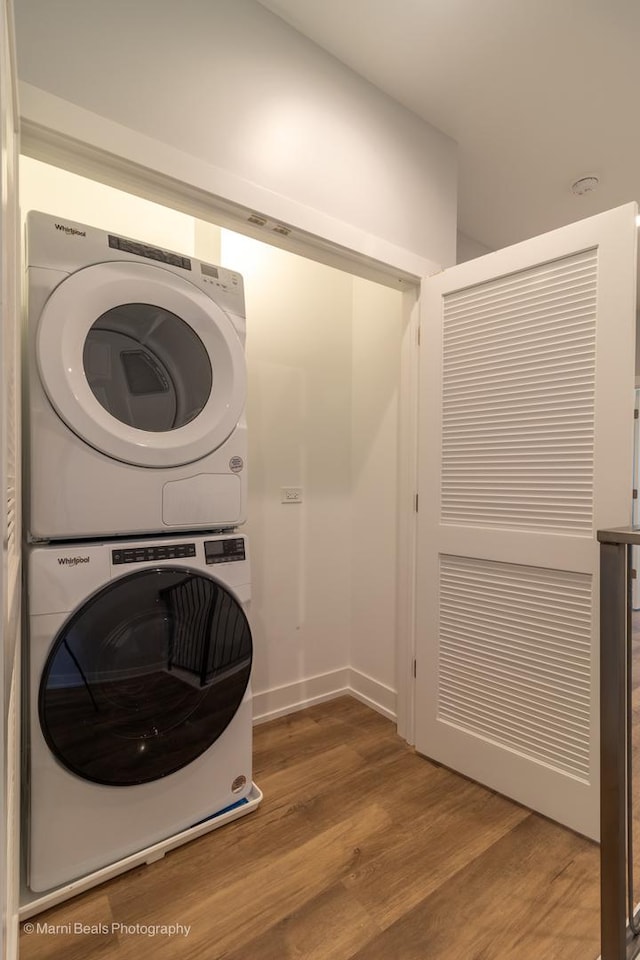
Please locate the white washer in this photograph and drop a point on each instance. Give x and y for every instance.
(135, 384)
(139, 717)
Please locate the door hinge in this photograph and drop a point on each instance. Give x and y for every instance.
(635, 414)
(414, 669)
(634, 574)
(635, 495)
(415, 502)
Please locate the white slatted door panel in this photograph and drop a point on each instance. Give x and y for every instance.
(514, 658)
(520, 452)
(526, 421)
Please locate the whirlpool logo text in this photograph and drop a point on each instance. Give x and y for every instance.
(70, 231)
(72, 561)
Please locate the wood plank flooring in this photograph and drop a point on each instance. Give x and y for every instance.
(361, 850)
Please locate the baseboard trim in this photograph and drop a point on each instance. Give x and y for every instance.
(374, 694)
(279, 701)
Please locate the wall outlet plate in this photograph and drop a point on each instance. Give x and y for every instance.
(291, 495)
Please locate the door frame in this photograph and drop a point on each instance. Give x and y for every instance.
(10, 571)
(78, 156)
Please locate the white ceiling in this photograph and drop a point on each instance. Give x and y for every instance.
(537, 93)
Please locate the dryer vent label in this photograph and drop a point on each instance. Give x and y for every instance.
(72, 561)
(236, 464)
(70, 231)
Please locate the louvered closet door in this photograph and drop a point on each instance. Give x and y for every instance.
(526, 440)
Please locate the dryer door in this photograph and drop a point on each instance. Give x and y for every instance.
(145, 676)
(141, 364)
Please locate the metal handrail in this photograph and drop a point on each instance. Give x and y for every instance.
(618, 941)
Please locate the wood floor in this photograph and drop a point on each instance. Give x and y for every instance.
(361, 850)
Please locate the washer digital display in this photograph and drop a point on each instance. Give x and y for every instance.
(224, 551)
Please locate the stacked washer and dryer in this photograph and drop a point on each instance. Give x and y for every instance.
(139, 650)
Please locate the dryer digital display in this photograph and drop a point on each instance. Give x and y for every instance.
(208, 271)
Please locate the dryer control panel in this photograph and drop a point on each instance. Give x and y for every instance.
(152, 253)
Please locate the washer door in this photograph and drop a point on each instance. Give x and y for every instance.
(141, 364)
(145, 676)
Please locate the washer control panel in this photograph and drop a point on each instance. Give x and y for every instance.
(224, 551)
(172, 551)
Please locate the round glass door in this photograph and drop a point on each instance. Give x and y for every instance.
(147, 367)
(141, 364)
(145, 676)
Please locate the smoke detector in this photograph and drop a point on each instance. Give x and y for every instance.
(584, 185)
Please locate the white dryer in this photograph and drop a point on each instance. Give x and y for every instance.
(135, 384)
(139, 701)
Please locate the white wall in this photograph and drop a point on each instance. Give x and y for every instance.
(323, 369)
(273, 121)
(469, 249)
(299, 418)
(377, 331)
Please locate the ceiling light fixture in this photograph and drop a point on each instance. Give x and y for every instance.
(584, 185)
